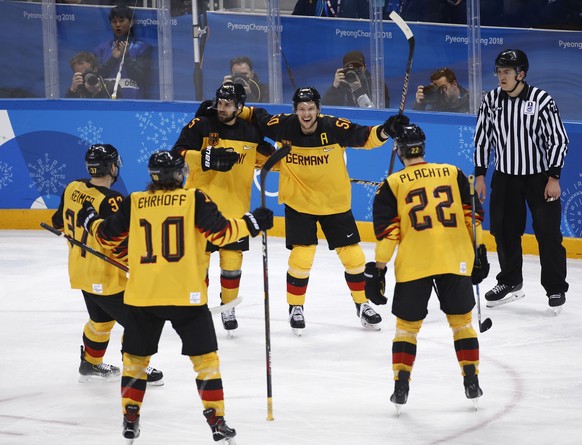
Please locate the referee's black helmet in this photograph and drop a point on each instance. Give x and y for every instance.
(99, 159)
(410, 141)
(512, 58)
(308, 94)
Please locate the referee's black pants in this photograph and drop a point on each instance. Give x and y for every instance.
(507, 209)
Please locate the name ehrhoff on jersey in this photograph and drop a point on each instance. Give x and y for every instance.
(424, 172)
(161, 200)
(293, 158)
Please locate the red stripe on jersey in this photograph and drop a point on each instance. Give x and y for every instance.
(357, 285)
(212, 395)
(469, 355)
(230, 283)
(296, 290)
(403, 357)
(132, 393)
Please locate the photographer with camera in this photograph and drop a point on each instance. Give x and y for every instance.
(443, 94)
(241, 72)
(352, 84)
(86, 83)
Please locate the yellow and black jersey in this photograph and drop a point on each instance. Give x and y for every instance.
(230, 190)
(425, 210)
(86, 271)
(167, 231)
(314, 178)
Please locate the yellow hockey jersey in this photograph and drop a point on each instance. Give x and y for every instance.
(313, 177)
(86, 271)
(231, 190)
(425, 209)
(167, 231)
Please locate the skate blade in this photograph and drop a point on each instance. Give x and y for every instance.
(230, 333)
(510, 298)
(557, 310)
(156, 383)
(96, 379)
(297, 332)
(372, 327)
(398, 407)
(475, 403)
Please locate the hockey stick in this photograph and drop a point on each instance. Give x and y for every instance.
(410, 37)
(123, 267)
(365, 182)
(487, 323)
(269, 164)
(86, 248)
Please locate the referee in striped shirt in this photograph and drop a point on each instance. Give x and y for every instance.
(522, 125)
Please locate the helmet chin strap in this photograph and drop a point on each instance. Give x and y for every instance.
(515, 87)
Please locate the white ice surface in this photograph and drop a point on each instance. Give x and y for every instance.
(330, 386)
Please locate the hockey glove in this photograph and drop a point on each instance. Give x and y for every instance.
(259, 219)
(219, 159)
(481, 266)
(206, 109)
(394, 124)
(87, 216)
(265, 148)
(375, 283)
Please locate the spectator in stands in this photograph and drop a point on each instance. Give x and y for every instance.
(352, 84)
(355, 9)
(443, 94)
(241, 72)
(124, 52)
(439, 11)
(562, 14)
(86, 83)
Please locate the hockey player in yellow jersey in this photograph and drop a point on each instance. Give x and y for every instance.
(167, 227)
(101, 283)
(222, 152)
(315, 187)
(425, 210)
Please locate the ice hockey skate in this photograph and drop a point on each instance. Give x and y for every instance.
(220, 430)
(471, 382)
(104, 372)
(503, 294)
(556, 302)
(229, 322)
(369, 318)
(131, 423)
(296, 320)
(155, 377)
(401, 388)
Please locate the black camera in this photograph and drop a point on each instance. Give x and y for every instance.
(90, 78)
(350, 76)
(431, 94)
(240, 78)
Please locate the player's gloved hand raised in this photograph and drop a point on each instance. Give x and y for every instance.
(259, 219)
(205, 108)
(87, 216)
(481, 266)
(394, 125)
(375, 283)
(219, 159)
(265, 148)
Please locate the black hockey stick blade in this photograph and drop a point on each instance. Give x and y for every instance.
(486, 325)
(85, 247)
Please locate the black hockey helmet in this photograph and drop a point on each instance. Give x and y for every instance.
(167, 168)
(410, 141)
(512, 58)
(99, 159)
(308, 94)
(231, 91)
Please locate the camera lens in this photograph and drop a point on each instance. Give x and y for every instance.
(91, 79)
(351, 76)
